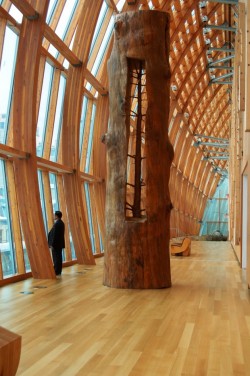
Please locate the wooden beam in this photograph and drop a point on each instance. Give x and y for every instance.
(26, 9)
(24, 139)
(88, 94)
(10, 152)
(155, 3)
(90, 178)
(94, 82)
(242, 51)
(52, 59)
(45, 164)
(4, 14)
(54, 39)
(111, 4)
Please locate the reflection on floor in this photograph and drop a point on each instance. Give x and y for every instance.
(77, 326)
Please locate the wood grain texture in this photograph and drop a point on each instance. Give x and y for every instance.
(24, 139)
(70, 132)
(99, 160)
(15, 224)
(10, 351)
(135, 250)
(199, 327)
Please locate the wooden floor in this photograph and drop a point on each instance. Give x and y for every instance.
(76, 326)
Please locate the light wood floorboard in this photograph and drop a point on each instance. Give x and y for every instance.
(76, 326)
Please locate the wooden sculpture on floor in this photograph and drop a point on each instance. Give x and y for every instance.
(10, 352)
(139, 153)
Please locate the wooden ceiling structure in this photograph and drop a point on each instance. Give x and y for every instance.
(202, 40)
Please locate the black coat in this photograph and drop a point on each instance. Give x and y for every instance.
(56, 235)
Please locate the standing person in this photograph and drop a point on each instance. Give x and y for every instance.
(56, 242)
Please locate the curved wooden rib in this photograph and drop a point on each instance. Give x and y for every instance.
(70, 133)
(24, 139)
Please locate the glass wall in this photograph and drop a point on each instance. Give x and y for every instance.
(42, 200)
(44, 108)
(90, 140)
(90, 217)
(58, 120)
(82, 123)
(62, 18)
(6, 242)
(215, 218)
(7, 70)
(51, 9)
(64, 23)
(101, 18)
(55, 197)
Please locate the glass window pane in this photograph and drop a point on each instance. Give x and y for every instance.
(66, 64)
(64, 22)
(53, 51)
(25, 254)
(55, 198)
(92, 234)
(42, 199)
(90, 140)
(215, 217)
(103, 47)
(101, 52)
(54, 192)
(16, 14)
(6, 241)
(120, 5)
(51, 9)
(66, 17)
(82, 122)
(26, 258)
(44, 108)
(101, 18)
(72, 248)
(58, 120)
(6, 79)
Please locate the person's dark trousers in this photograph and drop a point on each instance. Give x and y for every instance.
(57, 260)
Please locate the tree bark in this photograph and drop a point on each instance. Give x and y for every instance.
(137, 248)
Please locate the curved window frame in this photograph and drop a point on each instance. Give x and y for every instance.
(7, 73)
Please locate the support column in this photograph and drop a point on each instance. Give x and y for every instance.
(139, 154)
(24, 139)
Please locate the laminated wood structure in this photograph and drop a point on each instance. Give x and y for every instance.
(54, 113)
(10, 351)
(139, 153)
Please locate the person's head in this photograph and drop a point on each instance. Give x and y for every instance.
(58, 214)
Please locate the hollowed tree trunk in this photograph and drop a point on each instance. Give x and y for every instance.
(137, 245)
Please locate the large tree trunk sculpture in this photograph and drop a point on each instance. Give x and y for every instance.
(139, 154)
